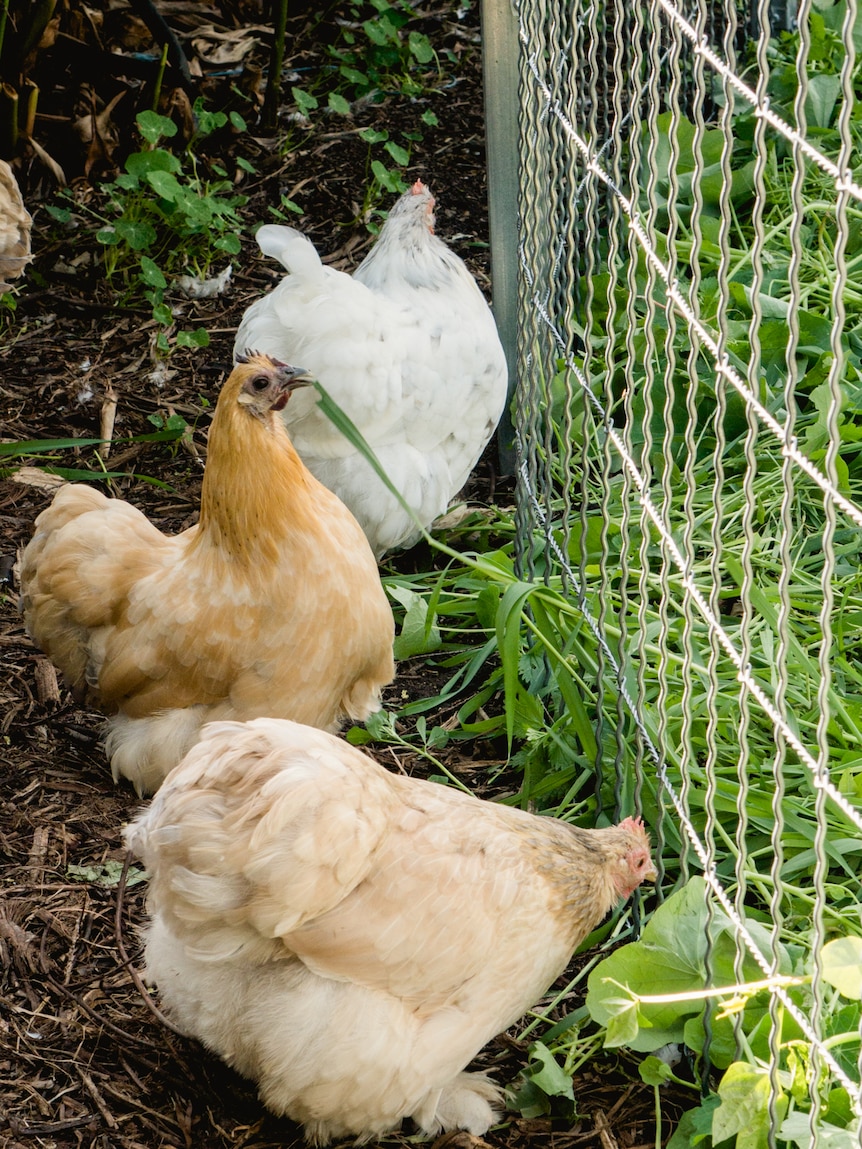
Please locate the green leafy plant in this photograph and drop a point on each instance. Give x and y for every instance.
(382, 178)
(164, 217)
(654, 991)
(544, 1085)
(107, 874)
(380, 51)
(377, 53)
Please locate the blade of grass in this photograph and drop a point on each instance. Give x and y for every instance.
(41, 446)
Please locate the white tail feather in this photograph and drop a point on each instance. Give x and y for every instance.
(291, 248)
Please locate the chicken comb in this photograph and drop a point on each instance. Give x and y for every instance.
(634, 824)
(249, 354)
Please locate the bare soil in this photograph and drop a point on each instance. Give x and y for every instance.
(84, 1060)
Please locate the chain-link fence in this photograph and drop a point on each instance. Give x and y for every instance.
(688, 426)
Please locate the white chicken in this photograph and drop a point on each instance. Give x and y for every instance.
(351, 938)
(407, 347)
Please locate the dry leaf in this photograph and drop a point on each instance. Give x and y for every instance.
(220, 48)
(33, 477)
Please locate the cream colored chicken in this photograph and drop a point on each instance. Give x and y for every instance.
(271, 604)
(351, 938)
(15, 225)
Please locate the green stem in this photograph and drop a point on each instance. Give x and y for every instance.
(37, 21)
(538, 1018)
(160, 75)
(657, 1096)
(269, 113)
(581, 1052)
(763, 882)
(426, 753)
(4, 15)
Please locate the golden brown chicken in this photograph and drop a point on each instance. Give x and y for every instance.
(351, 938)
(272, 604)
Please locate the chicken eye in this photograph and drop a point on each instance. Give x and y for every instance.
(260, 383)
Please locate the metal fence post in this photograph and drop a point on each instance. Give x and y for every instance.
(500, 74)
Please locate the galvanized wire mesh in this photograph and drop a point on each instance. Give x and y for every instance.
(682, 437)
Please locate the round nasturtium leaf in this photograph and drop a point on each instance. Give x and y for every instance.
(842, 966)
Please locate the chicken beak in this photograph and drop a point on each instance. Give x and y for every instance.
(293, 377)
(289, 379)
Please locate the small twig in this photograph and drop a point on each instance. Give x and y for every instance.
(38, 852)
(45, 1129)
(124, 956)
(47, 688)
(131, 1073)
(618, 1104)
(399, 765)
(132, 1102)
(58, 987)
(73, 944)
(90, 1086)
(109, 415)
(605, 1136)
